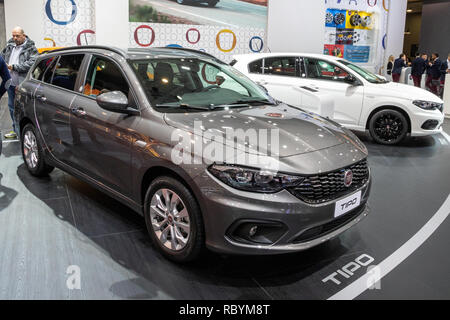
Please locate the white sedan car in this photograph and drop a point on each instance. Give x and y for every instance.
(362, 100)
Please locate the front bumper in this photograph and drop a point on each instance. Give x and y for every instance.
(224, 207)
(420, 117)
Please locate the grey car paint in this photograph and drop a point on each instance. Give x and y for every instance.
(120, 153)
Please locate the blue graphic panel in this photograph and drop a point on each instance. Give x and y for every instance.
(358, 54)
(335, 18)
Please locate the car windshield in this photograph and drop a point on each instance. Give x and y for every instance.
(369, 76)
(177, 85)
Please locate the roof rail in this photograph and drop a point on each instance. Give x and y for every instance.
(114, 49)
(189, 50)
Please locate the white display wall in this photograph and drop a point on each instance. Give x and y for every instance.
(69, 22)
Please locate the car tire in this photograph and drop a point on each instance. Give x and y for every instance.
(179, 244)
(388, 127)
(212, 4)
(33, 153)
(182, 1)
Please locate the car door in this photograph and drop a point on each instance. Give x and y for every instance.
(280, 76)
(53, 100)
(327, 77)
(101, 139)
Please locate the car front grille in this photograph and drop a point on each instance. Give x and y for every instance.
(329, 186)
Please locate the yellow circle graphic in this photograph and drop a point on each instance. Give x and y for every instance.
(218, 40)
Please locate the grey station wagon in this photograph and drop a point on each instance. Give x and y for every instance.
(205, 154)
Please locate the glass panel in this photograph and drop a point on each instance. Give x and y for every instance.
(282, 66)
(195, 82)
(256, 66)
(320, 69)
(104, 76)
(66, 71)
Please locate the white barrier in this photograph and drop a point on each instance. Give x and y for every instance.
(447, 95)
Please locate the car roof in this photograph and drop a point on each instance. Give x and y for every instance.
(137, 53)
(256, 56)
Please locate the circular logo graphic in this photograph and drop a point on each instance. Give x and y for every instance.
(348, 178)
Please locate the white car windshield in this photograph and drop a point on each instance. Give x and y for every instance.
(369, 76)
(179, 84)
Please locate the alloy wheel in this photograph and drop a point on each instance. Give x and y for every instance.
(388, 127)
(30, 149)
(170, 219)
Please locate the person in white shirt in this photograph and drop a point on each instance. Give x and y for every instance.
(20, 54)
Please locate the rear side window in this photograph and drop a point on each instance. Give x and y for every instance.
(66, 71)
(282, 66)
(48, 74)
(256, 66)
(39, 70)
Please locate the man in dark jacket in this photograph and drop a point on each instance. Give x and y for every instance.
(418, 68)
(444, 69)
(399, 64)
(20, 54)
(434, 67)
(6, 81)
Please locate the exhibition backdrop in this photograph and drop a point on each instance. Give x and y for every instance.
(356, 30)
(69, 22)
(231, 27)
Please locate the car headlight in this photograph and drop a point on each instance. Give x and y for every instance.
(428, 105)
(253, 180)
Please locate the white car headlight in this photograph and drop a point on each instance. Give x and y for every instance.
(428, 105)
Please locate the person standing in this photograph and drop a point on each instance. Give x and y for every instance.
(20, 54)
(4, 74)
(390, 65)
(399, 64)
(418, 68)
(434, 67)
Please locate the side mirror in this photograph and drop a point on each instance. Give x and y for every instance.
(350, 79)
(115, 101)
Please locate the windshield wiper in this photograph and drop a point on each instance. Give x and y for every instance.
(183, 106)
(265, 101)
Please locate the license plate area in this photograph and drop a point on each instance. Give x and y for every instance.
(347, 204)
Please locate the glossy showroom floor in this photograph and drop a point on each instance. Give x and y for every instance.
(50, 224)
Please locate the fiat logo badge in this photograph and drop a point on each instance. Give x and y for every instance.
(348, 178)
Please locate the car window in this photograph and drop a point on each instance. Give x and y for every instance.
(48, 74)
(66, 71)
(104, 76)
(321, 69)
(282, 66)
(39, 70)
(256, 66)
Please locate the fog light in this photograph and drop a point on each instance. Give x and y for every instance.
(430, 125)
(253, 231)
(256, 232)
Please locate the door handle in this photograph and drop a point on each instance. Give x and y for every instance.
(41, 97)
(79, 112)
